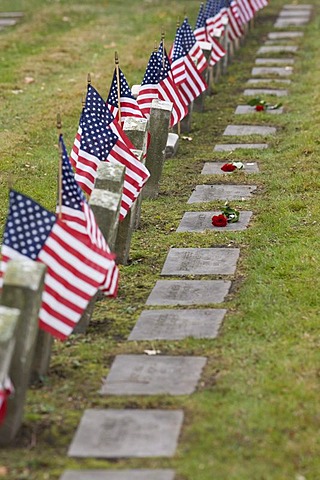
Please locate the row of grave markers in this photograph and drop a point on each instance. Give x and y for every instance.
(148, 433)
(154, 433)
(25, 352)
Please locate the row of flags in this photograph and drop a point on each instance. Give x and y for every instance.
(69, 241)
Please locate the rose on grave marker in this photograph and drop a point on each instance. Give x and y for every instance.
(230, 167)
(219, 220)
(261, 105)
(228, 215)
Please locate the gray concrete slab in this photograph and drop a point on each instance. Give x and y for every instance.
(274, 61)
(7, 22)
(201, 221)
(300, 6)
(277, 49)
(127, 433)
(257, 81)
(291, 22)
(282, 35)
(279, 42)
(178, 324)
(243, 130)
(246, 109)
(188, 292)
(230, 147)
(210, 193)
(279, 71)
(144, 474)
(254, 92)
(153, 375)
(214, 168)
(11, 14)
(294, 14)
(201, 261)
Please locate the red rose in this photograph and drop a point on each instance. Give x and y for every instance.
(259, 108)
(219, 220)
(228, 167)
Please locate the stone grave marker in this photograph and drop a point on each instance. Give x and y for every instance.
(11, 14)
(274, 61)
(242, 130)
(255, 92)
(22, 289)
(278, 49)
(247, 109)
(7, 22)
(201, 261)
(255, 81)
(295, 14)
(172, 145)
(153, 375)
(201, 221)
(214, 168)
(9, 318)
(159, 128)
(282, 35)
(280, 71)
(283, 22)
(230, 147)
(127, 433)
(141, 474)
(188, 292)
(178, 324)
(210, 193)
(305, 6)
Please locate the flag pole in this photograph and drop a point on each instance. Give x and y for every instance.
(116, 61)
(179, 123)
(59, 126)
(162, 40)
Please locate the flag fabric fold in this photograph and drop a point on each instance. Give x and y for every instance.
(6, 389)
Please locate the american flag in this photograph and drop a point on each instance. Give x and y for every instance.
(245, 11)
(76, 268)
(6, 389)
(229, 7)
(158, 83)
(202, 33)
(100, 138)
(75, 212)
(128, 104)
(193, 84)
(258, 4)
(213, 15)
(192, 47)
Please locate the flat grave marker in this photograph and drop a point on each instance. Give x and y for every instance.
(277, 49)
(210, 193)
(242, 130)
(188, 292)
(283, 22)
(178, 324)
(247, 109)
(279, 71)
(274, 61)
(201, 221)
(7, 22)
(255, 81)
(153, 375)
(144, 474)
(230, 147)
(214, 168)
(255, 92)
(295, 14)
(282, 35)
(127, 433)
(201, 261)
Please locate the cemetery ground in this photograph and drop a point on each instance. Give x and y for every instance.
(255, 413)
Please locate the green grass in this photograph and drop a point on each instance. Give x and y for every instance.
(255, 414)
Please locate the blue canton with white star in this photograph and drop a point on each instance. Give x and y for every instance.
(72, 195)
(125, 90)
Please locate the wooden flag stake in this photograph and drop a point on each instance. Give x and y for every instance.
(89, 79)
(162, 40)
(116, 61)
(59, 126)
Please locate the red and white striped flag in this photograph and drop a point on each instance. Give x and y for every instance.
(76, 268)
(6, 389)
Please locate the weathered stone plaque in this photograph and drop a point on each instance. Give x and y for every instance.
(249, 92)
(178, 324)
(278, 49)
(118, 475)
(188, 292)
(281, 35)
(291, 22)
(256, 81)
(153, 375)
(245, 109)
(274, 61)
(214, 168)
(280, 71)
(201, 261)
(242, 130)
(229, 147)
(295, 14)
(127, 433)
(209, 193)
(201, 221)
(7, 22)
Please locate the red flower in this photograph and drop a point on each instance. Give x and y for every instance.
(259, 108)
(228, 167)
(219, 220)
